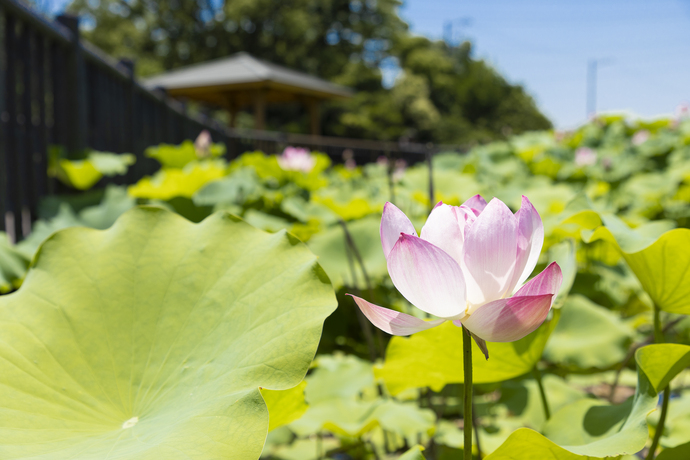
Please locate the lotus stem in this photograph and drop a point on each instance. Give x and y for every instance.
(658, 331)
(542, 392)
(467, 384)
(659, 338)
(660, 426)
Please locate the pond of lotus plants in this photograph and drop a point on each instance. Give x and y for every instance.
(284, 307)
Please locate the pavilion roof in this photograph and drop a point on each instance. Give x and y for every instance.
(234, 78)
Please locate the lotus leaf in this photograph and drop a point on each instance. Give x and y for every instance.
(434, 358)
(151, 339)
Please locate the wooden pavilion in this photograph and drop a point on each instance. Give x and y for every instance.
(243, 81)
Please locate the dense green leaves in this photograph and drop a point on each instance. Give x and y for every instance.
(588, 336)
(150, 340)
(434, 358)
(663, 267)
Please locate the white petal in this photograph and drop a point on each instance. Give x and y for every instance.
(427, 277)
(391, 321)
(393, 223)
(445, 228)
(489, 253)
(530, 241)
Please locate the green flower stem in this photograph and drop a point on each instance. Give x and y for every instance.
(659, 338)
(467, 414)
(660, 426)
(658, 330)
(542, 392)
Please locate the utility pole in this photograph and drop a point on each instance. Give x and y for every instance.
(592, 68)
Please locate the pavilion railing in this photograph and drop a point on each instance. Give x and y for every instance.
(56, 89)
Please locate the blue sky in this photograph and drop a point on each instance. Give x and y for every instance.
(545, 46)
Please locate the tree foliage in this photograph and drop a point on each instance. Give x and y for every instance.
(441, 93)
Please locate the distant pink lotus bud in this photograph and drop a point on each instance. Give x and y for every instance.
(683, 110)
(350, 164)
(382, 161)
(202, 144)
(465, 267)
(640, 137)
(296, 159)
(584, 156)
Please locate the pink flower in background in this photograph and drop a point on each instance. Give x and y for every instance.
(683, 110)
(382, 161)
(584, 156)
(640, 137)
(296, 159)
(202, 144)
(466, 267)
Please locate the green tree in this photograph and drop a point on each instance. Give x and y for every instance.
(440, 95)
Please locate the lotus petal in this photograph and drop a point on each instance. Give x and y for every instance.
(393, 223)
(488, 261)
(476, 202)
(530, 233)
(427, 277)
(391, 321)
(445, 228)
(508, 320)
(547, 282)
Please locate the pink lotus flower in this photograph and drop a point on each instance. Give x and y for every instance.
(202, 144)
(465, 267)
(584, 156)
(296, 159)
(640, 137)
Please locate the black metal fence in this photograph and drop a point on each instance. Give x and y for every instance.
(58, 89)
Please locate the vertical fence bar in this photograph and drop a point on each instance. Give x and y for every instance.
(12, 209)
(25, 146)
(40, 163)
(4, 118)
(77, 123)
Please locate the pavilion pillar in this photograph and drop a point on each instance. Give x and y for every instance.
(260, 110)
(314, 117)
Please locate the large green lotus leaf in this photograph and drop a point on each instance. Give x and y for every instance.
(663, 267)
(434, 358)
(151, 339)
(588, 336)
(13, 265)
(329, 245)
(284, 406)
(595, 428)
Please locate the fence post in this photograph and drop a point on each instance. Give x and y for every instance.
(76, 100)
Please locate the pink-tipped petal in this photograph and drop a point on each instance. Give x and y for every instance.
(508, 320)
(488, 260)
(391, 321)
(530, 241)
(393, 223)
(445, 228)
(476, 202)
(547, 282)
(427, 277)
